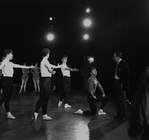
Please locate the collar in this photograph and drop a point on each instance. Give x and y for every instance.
(119, 61)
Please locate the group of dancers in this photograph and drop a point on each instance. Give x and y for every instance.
(35, 76)
(47, 70)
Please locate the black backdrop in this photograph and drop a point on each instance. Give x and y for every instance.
(117, 25)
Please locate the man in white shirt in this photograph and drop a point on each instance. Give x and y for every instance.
(66, 82)
(7, 85)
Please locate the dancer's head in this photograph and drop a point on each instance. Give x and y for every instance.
(117, 56)
(45, 52)
(8, 53)
(64, 59)
(93, 71)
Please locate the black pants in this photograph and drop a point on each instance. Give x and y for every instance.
(120, 99)
(45, 86)
(7, 87)
(66, 83)
(93, 106)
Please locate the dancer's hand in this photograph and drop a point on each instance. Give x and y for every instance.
(76, 69)
(53, 72)
(94, 97)
(103, 95)
(32, 66)
(58, 65)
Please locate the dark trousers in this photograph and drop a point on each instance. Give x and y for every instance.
(66, 85)
(45, 85)
(93, 106)
(7, 87)
(120, 99)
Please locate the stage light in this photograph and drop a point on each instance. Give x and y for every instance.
(87, 22)
(86, 36)
(87, 10)
(50, 18)
(50, 37)
(91, 59)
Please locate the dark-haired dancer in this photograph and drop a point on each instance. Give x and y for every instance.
(92, 99)
(45, 85)
(66, 83)
(8, 70)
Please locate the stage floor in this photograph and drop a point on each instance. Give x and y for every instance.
(65, 125)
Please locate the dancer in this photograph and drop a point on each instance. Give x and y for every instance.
(8, 70)
(36, 77)
(92, 99)
(45, 85)
(24, 78)
(66, 83)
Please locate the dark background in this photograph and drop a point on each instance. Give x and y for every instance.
(121, 25)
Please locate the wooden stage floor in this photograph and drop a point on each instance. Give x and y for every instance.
(65, 124)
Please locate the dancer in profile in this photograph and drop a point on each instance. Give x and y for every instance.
(36, 77)
(92, 99)
(25, 77)
(7, 84)
(45, 85)
(66, 82)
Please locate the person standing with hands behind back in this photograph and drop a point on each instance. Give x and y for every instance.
(8, 70)
(66, 82)
(121, 78)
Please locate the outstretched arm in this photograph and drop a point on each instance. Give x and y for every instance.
(56, 67)
(22, 66)
(71, 69)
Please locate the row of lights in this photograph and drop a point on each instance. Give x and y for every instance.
(87, 23)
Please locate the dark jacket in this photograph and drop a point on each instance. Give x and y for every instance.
(139, 117)
(123, 74)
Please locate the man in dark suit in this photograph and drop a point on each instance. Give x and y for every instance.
(121, 78)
